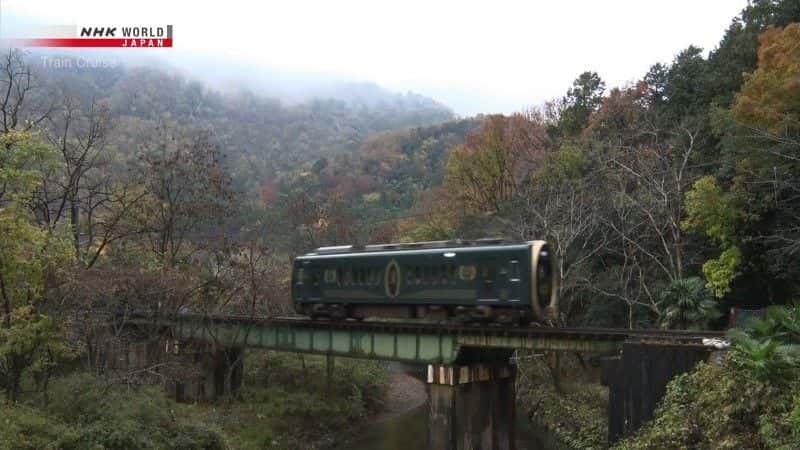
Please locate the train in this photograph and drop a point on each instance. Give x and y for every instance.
(485, 280)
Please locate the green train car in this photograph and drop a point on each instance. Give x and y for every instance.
(484, 280)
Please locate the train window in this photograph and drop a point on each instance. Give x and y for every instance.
(409, 275)
(466, 272)
(443, 273)
(348, 277)
(434, 274)
(339, 276)
(330, 276)
(451, 273)
(417, 274)
(300, 276)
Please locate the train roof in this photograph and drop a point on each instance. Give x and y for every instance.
(404, 247)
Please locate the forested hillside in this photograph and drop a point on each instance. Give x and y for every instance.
(261, 136)
(668, 200)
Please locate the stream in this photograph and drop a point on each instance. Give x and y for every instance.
(407, 427)
(410, 431)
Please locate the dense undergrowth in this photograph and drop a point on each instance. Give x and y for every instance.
(286, 403)
(574, 413)
(752, 401)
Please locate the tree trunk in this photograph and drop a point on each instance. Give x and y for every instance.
(74, 219)
(554, 365)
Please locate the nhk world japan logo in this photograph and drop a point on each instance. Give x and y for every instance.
(93, 36)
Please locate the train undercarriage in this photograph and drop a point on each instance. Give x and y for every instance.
(456, 313)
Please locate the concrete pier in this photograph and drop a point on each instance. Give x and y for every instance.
(471, 407)
(207, 373)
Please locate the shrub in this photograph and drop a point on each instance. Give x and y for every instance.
(722, 408)
(768, 347)
(22, 428)
(116, 418)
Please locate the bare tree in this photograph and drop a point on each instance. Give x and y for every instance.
(250, 280)
(566, 214)
(188, 191)
(18, 107)
(654, 179)
(650, 173)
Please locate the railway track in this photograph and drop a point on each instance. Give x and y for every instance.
(611, 334)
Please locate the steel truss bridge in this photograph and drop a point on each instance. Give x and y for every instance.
(414, 343)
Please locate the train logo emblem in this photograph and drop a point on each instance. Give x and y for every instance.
(392, 280)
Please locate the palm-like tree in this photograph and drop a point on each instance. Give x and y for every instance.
(686, 303)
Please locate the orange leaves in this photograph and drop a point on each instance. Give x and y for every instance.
(770, 97)
(485, 171)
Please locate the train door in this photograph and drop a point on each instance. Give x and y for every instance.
(308, 283)
(487, 280)
(313, 282)
(513, 278)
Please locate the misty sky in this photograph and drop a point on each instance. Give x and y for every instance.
(489, 56)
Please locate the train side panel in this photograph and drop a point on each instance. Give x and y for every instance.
(493, 276)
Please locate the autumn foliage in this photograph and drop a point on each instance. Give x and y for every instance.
(487, 170)
(770, 98)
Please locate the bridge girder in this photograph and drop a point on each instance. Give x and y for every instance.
(404, 342)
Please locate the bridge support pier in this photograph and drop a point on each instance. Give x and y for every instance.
(223, 371)
(472, 407)
(210, 373)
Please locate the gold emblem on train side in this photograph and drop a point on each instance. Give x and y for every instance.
(392, 279)
(467, 272)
